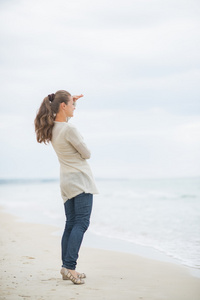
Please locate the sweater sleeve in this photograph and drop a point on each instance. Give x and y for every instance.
(75, 138)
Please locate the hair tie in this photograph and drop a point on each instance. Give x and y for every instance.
(51, 97)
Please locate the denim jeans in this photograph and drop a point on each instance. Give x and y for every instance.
(77, 211)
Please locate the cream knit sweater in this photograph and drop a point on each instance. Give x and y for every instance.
(75, 173)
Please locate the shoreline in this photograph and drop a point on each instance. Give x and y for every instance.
(30, 265)
(171, 205)
(95, 241)
(112, 244)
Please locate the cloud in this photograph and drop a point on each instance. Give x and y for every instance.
(188, 134)
(136, 62)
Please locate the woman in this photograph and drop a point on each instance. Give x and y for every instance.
(76, 179)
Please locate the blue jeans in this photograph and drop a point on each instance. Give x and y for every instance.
(77, 211)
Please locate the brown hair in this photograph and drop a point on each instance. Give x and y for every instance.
(46, 114)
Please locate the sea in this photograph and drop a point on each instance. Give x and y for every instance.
(160, 215)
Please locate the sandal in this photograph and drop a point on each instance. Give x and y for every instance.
(66, 275)
(81, 275)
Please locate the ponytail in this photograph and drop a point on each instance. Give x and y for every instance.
(44, 122)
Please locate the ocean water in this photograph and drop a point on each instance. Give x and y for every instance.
(163, 214)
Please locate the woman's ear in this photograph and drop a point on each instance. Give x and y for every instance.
(62, 105)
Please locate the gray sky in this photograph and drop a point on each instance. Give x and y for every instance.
(137, 64)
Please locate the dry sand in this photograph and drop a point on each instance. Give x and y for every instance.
(30, 266)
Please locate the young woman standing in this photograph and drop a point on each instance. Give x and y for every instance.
(76, 179)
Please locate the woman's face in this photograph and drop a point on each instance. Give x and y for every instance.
(69, 108)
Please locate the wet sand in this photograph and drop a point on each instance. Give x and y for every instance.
(30, 266)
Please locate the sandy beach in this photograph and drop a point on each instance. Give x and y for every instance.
(30, 266)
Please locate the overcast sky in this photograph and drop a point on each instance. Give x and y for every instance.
(137, 62)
